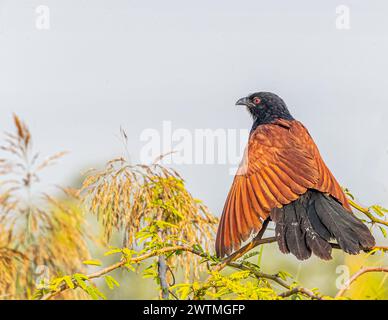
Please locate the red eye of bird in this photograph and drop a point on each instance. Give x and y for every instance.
(256, 100)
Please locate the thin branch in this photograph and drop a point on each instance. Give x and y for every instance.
(243, 250)
(301, 290)
(255, 242)
(172, 276)
(259, 274)
(239, 253)
(278, 280)
(120, 264)
(228, 261)
(162, 269)
(368, 213)
(381, 248)
(162, 275)
(358, 274)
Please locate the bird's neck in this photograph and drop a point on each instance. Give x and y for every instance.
(269, 118)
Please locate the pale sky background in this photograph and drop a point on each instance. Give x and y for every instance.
(106, 64)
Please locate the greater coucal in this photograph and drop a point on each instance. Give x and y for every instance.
(284, 179)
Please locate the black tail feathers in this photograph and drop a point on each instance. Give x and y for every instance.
(307, 225)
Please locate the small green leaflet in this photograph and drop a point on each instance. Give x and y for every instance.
(111, 282)
(92, 262)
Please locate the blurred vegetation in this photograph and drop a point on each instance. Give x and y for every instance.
(135, 232)
(39, 233)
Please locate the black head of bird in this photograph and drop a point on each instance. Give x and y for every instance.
(265, 107)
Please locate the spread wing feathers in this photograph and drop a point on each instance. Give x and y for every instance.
(280, 163)
(351, 234)
(297, 233)
(306, 226)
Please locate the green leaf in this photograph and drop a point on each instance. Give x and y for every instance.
(94, 293)
(380, 211)
(284, 275)
(164, 224)
(348, 193)
(112, 251)
(128, 253)
(198, 248)
(383, 231)
(100, 294)
(69, 281)
(260, 256)
(54, 284)
(150, 271)
(92, 262)
(111, 282)
(130, 267)
(185, 293)
(183, 289)
(80, 280)
(250, 255)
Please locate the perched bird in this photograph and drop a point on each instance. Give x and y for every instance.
(284, 179)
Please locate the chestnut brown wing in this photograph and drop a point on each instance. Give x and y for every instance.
(281, 162)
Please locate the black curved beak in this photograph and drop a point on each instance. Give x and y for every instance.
(244, 102)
